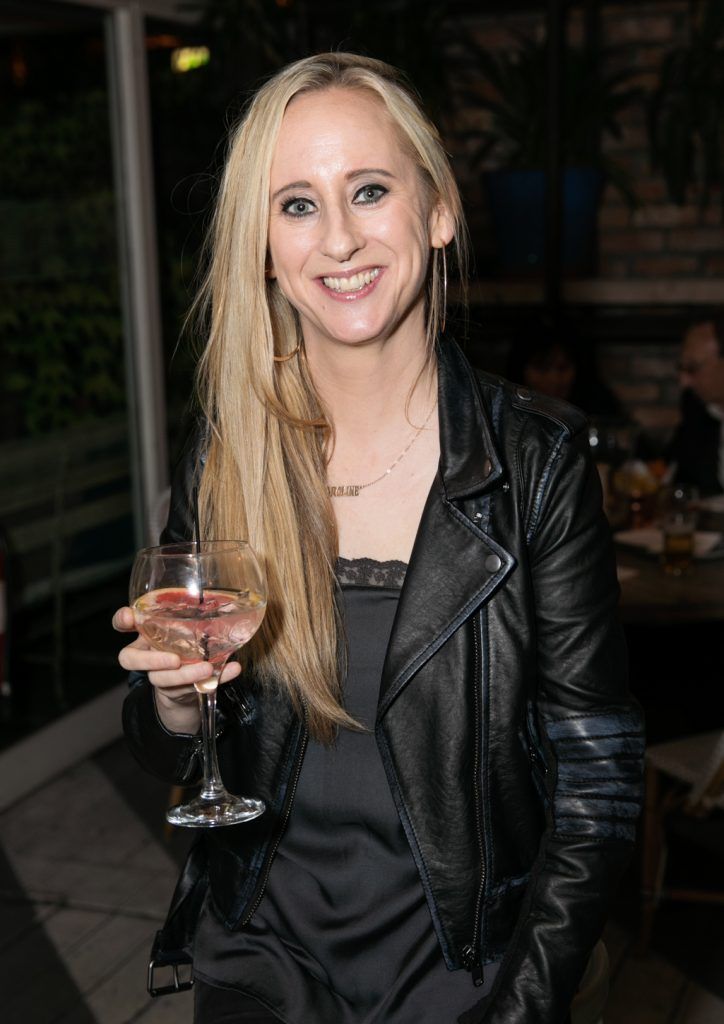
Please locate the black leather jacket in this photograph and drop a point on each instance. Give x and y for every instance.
(511, 744)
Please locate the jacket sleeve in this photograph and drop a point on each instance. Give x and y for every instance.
(592, 739)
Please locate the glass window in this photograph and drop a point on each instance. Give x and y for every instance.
(65, 506)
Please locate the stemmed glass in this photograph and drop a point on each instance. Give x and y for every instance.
(202, 602)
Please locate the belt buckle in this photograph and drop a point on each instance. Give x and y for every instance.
(173, 960)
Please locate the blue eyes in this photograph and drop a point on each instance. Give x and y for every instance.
(368, 195)
(297, 207)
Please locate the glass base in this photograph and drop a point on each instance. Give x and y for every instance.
(223, 810)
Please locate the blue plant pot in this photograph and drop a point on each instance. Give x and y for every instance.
(517, 208)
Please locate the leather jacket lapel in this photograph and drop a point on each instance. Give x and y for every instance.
(454, 565)
(469, 461)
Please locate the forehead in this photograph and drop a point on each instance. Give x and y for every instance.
(700, 340)
(338, 129)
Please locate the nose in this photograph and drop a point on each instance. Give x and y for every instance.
(341, 235)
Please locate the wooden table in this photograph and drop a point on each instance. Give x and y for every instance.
(673, 630)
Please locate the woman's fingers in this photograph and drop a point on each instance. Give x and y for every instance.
(195, 672)
(124, 620)
(185, 675)
(231, 671)
(139, 656)
(171, 690)
(165, 670)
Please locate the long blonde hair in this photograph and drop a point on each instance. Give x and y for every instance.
(264, 477)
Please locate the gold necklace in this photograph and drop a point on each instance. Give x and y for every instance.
(352, 490)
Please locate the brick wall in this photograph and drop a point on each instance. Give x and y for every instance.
(658, 239)
(644, 380)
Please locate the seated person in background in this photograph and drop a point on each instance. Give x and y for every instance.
(549, 360)
(697, 447)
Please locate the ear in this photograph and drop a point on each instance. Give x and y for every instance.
(441, 226)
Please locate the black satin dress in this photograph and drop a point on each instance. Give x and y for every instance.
(343, 934)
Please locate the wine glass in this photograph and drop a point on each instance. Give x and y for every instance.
(202, 602)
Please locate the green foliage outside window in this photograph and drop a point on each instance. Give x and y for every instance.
(62, 353)
(60, 325)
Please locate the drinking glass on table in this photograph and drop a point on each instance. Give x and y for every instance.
(202, 602)
(678, 526)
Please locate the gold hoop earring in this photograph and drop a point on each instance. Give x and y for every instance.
(444, 290)
(289, 355)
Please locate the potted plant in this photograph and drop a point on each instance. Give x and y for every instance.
(511, 87)
(686, 112)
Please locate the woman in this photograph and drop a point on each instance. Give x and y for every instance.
(547, 358)
(435, 710)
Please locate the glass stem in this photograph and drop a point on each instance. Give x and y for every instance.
(212, 787)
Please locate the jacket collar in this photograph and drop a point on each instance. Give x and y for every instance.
(455, 566)
(469, 461)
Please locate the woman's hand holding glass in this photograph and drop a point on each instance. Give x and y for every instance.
(173, 682)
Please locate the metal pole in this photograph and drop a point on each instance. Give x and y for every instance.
(139, 263)
(554, 185)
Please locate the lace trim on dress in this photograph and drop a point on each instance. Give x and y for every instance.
(367, 572)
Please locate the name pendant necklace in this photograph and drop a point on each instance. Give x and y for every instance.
(352, 490)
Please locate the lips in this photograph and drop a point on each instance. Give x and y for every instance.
(351, 285)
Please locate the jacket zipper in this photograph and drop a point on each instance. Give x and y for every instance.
(270, 859)
(471, 953)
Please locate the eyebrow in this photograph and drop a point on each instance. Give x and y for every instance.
(378, 172)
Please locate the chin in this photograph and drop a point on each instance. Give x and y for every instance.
(363, 331)
(361, 335)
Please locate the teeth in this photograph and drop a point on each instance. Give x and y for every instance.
(351, 284)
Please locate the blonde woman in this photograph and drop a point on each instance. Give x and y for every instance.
(435, 710)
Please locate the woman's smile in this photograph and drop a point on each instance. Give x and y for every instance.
(356, 284)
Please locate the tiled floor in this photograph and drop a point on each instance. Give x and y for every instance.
(86, 886)
(85, 876)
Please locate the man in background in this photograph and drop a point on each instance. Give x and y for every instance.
(698, 444)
